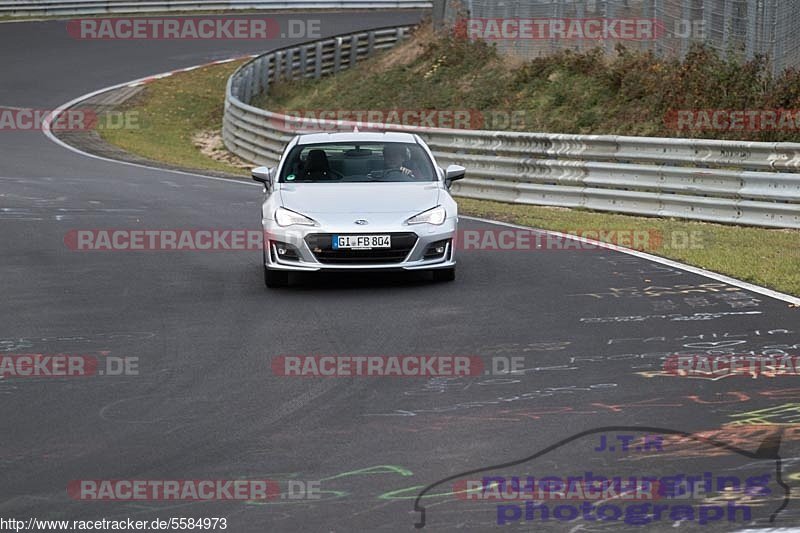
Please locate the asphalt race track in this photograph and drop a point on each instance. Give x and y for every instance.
(593, 328)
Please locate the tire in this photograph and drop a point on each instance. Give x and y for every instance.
(275, 278)
(444, 274)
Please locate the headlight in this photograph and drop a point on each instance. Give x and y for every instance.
(284, 218)
(435, 216)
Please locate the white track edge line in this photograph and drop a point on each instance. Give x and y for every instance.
(656, 259)
(50, 118)
(653, 258)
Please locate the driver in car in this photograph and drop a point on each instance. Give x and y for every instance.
(395, 159)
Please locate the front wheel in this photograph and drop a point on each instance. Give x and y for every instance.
(275, 278)
(444, 274)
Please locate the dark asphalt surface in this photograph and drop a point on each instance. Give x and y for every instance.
(206, 404)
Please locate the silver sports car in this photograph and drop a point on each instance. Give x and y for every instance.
(358, 201)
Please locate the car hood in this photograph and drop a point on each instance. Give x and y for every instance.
(361, 198)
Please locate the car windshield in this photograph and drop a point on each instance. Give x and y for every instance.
(357, 163)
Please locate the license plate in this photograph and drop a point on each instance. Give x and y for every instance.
(361, 242)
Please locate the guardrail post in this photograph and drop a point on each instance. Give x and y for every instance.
(370, 43)
(303, 61)
(277, 68)
(318, 60)
(353, 50)
(265, 73)
(290, 64)
(337, 55)
(248, 78)
(257, 80)
(234, 90)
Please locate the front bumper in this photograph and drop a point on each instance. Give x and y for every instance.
(304, 248)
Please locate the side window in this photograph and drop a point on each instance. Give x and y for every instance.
(293, 166)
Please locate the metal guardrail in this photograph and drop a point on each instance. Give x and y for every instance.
(719, 181)
(98, 7)
(260, 136)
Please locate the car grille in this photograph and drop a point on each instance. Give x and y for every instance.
(321, 245)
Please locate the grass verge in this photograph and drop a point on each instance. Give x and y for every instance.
(766, 257)
(171, 112)
(174, 109)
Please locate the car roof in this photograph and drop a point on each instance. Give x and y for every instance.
(357, 136)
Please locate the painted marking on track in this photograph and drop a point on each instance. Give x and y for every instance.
(656, 259)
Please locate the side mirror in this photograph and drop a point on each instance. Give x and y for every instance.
(263, 175)
(453, 173)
